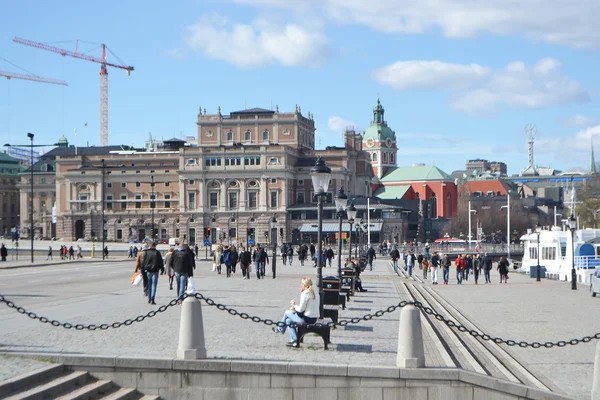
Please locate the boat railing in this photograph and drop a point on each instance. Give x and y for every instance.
(587, 262)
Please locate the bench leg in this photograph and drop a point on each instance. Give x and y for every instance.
(326, 340)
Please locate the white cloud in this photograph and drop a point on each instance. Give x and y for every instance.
(564, 22)
(578, 120)
(429, 75)
(338, 124)
(258, 44)
(174, 53)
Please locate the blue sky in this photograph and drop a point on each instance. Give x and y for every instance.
(458, 79)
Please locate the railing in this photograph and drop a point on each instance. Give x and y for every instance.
(587, 262)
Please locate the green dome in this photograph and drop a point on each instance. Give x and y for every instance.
(379, 130)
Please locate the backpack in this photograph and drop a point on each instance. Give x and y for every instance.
(227, 258)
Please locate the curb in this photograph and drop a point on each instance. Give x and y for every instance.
(35, 265)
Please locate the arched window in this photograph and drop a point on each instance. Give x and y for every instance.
(247, 136)
(230, 136)
(384, 157)
(265, 136)
(417, 196)
(433, 206)
(391, 157)
(448, 207)
(375, 157)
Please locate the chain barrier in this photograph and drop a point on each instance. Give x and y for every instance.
(269, 322)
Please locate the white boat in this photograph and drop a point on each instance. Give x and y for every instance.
(556, 252)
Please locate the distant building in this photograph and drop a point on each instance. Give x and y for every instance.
(10, 168)
(479, 166)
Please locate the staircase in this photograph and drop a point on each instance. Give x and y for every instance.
(57, 382)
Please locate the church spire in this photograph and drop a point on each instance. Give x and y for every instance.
(593, 160)
(378, 112)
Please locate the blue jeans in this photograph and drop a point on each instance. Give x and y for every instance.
(410, 268)
(446, 274)
(288, 318)
(152, 282)
(460, 274)
(394, 265)
(181, 284)
(260, 269)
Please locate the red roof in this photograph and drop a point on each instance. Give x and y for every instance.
(498, 188)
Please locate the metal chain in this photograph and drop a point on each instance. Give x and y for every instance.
(270, 322)
(91, 327)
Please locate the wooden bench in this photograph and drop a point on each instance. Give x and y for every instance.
(324, 331)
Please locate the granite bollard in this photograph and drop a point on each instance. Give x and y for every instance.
(411, 353)
(191, 331)
(596, 379)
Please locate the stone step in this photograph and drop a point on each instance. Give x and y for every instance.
(89, 391)
(30, 379)
(121, 394)
(52, 387)
(150, 397)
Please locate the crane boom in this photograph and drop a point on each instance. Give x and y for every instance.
(73, 54)
(9, 75)
(103, 77)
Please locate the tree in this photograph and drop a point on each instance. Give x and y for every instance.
(589, 207)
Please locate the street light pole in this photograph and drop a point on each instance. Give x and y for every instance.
(507, 206)
(320, 175)
(102, 200)
(152, 206)
(352, 211)
(470, 235)
(341, 202)
(30, 136)
(572, 227)
(274, 243)
(357, 221)
(538, 271)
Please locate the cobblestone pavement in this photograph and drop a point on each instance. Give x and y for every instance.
(101, 293)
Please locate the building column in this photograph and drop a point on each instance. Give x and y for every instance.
(223, 195)
(182, 195)
(263, 195)
(243, 206)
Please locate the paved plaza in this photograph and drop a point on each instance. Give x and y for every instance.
(100, 292)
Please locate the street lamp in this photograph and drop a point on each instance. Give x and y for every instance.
(102, 206)
(469, 235)
(351, 211)
(152, 205)
(341, 202)
(274, 243)
(538, 271)
(572, 227)
(357, 221)
(320, 175)
(507, 206)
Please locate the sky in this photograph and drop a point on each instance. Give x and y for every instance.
(458, 79)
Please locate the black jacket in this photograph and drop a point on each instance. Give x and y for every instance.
(371, 254)
(182, 261)
(153, 261)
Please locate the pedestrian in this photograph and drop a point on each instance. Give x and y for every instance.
(435, 264)
(3, 252)
(152, 264)
(290, 254)
(245, 260)
(264, 259)
(312, 251)
(218, 259)
(329, 255)
(169, 267)
(135, 251)
(196, 250)
(235, 259)
(182, 262)
(420, 261)
(79, 252)
(503, 265)
(302, 251)
(71, 253)
(468, 265)
(446, 268)
(425, 266)
(476, 268)
(460, 268)
(130, 253)
(284, 254)
(487, 267)
(410, 262)
(60, 251)
(140, 270)
(49, 253)
(304, 312)
(372, 256)
(227, 260)
(106, 251)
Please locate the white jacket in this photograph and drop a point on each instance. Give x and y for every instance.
(308, 305)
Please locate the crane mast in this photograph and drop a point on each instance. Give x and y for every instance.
(103, 77)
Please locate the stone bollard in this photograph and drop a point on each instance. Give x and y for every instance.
(596, 380)
(411, 353)
(191, 331)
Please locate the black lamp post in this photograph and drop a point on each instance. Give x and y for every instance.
(538, 271)
(572, 227)
(352, 211)
(152, 203)
(274, 244)
(102, 206)
(357, 220)
(341, 203)
(320, 175)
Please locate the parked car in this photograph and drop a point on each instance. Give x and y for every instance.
(595, 282)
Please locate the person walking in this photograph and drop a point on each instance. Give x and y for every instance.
(235, 258)
(182, 262)
(487, 267)
(264, 259)
(71, 253)
(105, 251)
(3, 252)
(420, 261)
(395, 256)
(196, 251)
(410, 262)
(140, 270)
(290, 254)
(312, 251)
(49, 253)
(435, 264)
(468, 265)
(245, 260)
(284, 248)
(153, 264)
(372, 256)
(169, 265)
(227, 260)
(503, 265)
(425, 266)
(79, 252)
(460, 268)
(329, 255)
(446, 268)
(302, 251)
(218, 259)
(476, 268)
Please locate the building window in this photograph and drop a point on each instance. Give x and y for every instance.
(273, 160)
(385, 157)
(273, 180)
(433, 205)
(138, 184)
(374, 157)
(213, 199)
(448, 206)
(230, 136)
(392, 157)
(167, 201)
(265, 136)
(209, 133)
(233, 200)
(167, 184)
(300, 198)
(247, 136)
(252, 200)
(138, 203)
(109, 204)
(192, 201)
(192, 182)
(191, 161)
(273, 202)
(123, 202)
(300, 182)
(43, 180)
(109, 185)
(119, 234)
(123, 184)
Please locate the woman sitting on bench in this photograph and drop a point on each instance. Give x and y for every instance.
(306, 312)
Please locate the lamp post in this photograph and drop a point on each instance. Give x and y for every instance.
(320, 175)
(538, 270)
(357, 221)
(352, 211)
(341, 202)
(572, 227)
(507, 206)
(274, 243)
(102, 206)
(152, 206)
(469, 236)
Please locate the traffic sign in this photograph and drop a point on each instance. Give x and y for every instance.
(207, 242)
(250, 242)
